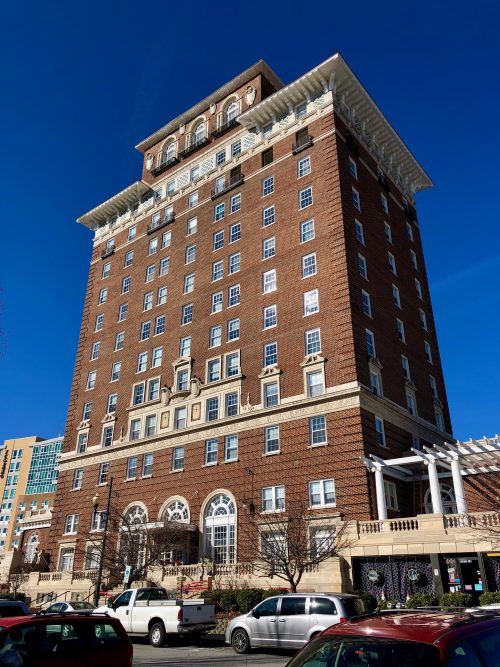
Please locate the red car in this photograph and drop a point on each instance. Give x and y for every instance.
(64, 640)
(407, 639)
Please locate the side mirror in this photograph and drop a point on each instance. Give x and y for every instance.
(110, 604)
(255, 614)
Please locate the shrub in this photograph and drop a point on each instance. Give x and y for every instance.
(421, 600)
(456, 600)
(490, 598)
(247, 598)
(214, 596)
(274, 591)
(369, 599)
(229, 600)
(387, 604)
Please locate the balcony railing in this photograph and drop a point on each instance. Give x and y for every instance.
(107, 252)
(228, 185)
(302, 144)
(195, 142)
(224, 126)
(166, 161)
(162, 222)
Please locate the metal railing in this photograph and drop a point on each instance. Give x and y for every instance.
(165, 161)
(303, 143)
(166, 219)
(195, 141)
(228, 185)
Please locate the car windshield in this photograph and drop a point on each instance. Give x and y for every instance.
(82, 605)
(330, 651)
(354, 606)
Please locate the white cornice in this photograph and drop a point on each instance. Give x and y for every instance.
(357, 108)
(114, 206)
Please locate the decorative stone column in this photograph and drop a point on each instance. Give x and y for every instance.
(379, 487)
(458, 486)
(437, 503)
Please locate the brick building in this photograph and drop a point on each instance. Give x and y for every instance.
(257, 321)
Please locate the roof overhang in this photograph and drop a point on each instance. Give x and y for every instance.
(114, 206)
(260, 67)
(352, 100)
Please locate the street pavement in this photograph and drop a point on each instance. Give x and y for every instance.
(212, 652)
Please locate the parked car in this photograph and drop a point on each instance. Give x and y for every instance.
(74, 605)
(59, 640)
(407, 639)
(13, 608)
(289, 621)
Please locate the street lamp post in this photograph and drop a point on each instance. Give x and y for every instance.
(95, 505)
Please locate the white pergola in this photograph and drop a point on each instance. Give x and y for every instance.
(461, 458)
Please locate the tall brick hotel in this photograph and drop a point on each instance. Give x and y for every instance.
(258, 329)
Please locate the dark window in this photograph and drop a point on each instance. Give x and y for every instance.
(302, 136)
(12, 610)
(292, 606)
(235, 173)
(266, 608)
(267, 157)
(353, 606)
(322, 606)
(480, 649)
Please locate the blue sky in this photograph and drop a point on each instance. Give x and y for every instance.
(82, 83)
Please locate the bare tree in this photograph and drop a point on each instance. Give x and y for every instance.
(132, 541)
(287, 544)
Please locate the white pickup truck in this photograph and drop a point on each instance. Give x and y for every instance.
(150, 612)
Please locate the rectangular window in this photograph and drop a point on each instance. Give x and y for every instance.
(233, 295)
(267, 155)
(218, 240)
(131, 471)
(142, 362)
(213, 370)
(363, 270)
(180, 417)
(428, 351)
(103, 473)
(234, 263)
(312, 341)
(77, 479)
(305, 197)
(268, 248)
(96, 347)
(322, 493)
(269, 317)
(306, 231)
(156, 357)
(311, 302)
(145, 330)
(384, 203)
(236, 148)
(218, 270)
(309, 267)
(317, 431)
(273, 498)
(87, 409)
(270, 354)
(138, 394)
(423, 319)
(414, 260)
(166, 239)
(271, 439)
(150, 273)
(147, 465)
(119, 340)
(154, 388)
(356, 200)
(129, 258)
(211, 447)
(126, 282)
(269, 281)
(392, 262)
(231, 404)
(135, 429)
(370, 343)
(91, 377)
(115, 371)
(219, 211)
(235, 203)
(406, 367)
(235, 232)
(132, 233)
(191, 226)
(438, 416)
(380, 431)
(375, 382)
(185, 346)
(150, 427)
(193, 199)
(187, 313)
(304, 166)
(388, 232)
(300, 110)
(103, 296)
(315, 383)
(391, 496)
(106, 270)
(418, 289)
(159, 325)
(366, 304)
(212, 409)
(123, 312)
(183, 380)
(190, 254)
(268, 216)
(267, 186)
(162, 296)
(71, 523)
(217, 300)
(231, 447)
(432, 382)
(99, 322)
(409, 231)
(188, 283)
(233, 329)
(215, 336)
(400, 328)
(220, 158)
(178, 458)
(353, 168)
(153, 246)
(411, 403)
(164, 266)
(232, 364)
(360, 235)
(271, 394)
(82, 442)
(396, 297)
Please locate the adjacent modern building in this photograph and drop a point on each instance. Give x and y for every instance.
(258, 329)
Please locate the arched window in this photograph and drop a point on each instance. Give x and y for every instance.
(135, 515)
(133, 538)
(170, 151)
(198, 132)
(177, 510)
(232, 111)
(219, 529)
(31, 548)
(447, 498)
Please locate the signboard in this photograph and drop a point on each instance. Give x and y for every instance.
(373, 576)
(413, 574)
(126, 574)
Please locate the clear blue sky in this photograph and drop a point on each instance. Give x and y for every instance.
(82, 83)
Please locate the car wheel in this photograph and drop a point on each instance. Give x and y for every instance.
(157, 635)
(240, 641)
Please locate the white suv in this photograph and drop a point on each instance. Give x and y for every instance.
(289, 621)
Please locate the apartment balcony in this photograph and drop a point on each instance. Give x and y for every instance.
(154, 226)
(228, 185)
(303, 143)
(166, 161)
(194, 142)
(107, 252)
(36, 519)
(227, 119)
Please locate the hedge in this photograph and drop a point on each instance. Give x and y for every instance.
(490, 598)
(421, 600)
(456, 600)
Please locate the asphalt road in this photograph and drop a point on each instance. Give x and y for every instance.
(211, 652)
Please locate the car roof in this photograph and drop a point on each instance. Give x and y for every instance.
(425, 627)
(9, 621)
(10, 603)
(310, 593)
